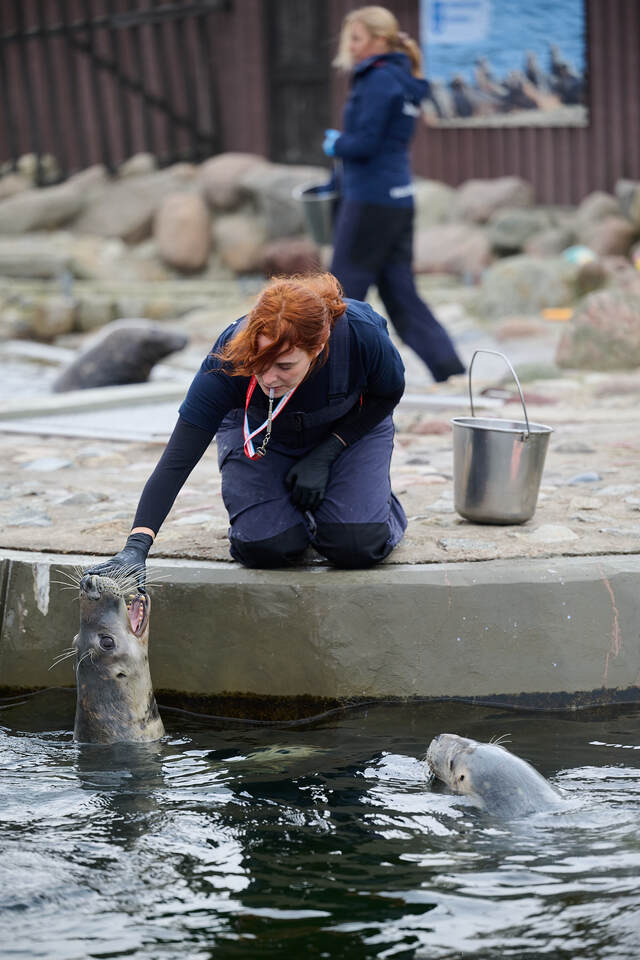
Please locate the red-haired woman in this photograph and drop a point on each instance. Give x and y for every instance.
(299, 394)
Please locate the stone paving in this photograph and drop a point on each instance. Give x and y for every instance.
(77, 494)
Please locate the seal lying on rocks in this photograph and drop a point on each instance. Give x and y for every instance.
(505, 785)
(122, 352)
(115, 700)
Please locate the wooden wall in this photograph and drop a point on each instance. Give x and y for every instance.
(242, 87)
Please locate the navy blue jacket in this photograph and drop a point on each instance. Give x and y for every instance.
(373, 382)
(375, 371)
(378, 123)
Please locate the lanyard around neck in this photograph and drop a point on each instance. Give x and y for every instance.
(249, 449)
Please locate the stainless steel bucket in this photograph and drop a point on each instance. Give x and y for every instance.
(497, 464)
(318, 205)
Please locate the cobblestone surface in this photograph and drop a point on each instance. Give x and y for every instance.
(78, 495)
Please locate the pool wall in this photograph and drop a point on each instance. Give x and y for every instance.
(563, 632)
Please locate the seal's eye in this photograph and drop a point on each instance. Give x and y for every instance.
(106, 642)
(461, 777)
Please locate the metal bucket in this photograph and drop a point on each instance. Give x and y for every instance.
(497, 464)
(319, 206)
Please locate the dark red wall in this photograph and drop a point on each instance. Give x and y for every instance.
(564, 164)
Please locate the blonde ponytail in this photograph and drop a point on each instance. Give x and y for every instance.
(379, 22)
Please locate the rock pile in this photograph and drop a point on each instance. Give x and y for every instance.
(76, 255)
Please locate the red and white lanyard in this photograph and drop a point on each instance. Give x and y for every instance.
(249, 449)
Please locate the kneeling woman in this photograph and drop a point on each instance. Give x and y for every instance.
(299, 394)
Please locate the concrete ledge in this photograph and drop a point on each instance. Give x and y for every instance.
(539, 633)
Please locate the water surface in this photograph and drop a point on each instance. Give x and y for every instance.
(321, 841)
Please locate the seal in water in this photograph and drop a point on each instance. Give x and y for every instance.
(122, 352)
(493, 777)
(115, 699)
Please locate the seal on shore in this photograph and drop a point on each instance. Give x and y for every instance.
(494, 778)
(122, 352)
(115, 700)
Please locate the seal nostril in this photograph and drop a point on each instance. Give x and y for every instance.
(121, 676)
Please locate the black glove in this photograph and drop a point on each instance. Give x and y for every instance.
(130, 562)
(307, 479)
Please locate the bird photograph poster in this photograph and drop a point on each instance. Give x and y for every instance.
(504, 63)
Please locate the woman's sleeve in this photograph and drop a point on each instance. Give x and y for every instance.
(376, 101)
(182, 452)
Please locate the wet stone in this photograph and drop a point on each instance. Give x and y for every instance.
(442, 505)
(584, 478)
(585, 503)
(464, 543)
(549, 533)
(47, 464)
(618, 490)
(633, 531)
(573, 446)
(79, 499)
(194, 520)
(29, 518)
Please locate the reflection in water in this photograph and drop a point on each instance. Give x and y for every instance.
(322, 842)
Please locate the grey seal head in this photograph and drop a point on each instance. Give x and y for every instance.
(124, 351)
(115, 699)
(499, 781)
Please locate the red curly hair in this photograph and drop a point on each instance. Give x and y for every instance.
(291, 312)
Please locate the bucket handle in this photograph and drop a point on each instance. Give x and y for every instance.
(496, 353)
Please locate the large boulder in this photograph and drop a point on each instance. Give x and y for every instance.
(39, 317)
(454, 248)
(182, 231)
(510, 228)
(33, 256)
(125, 208)
(40, 208)
(522, 284)
(594, 208)
(221, 177)
(604, 333)
(611, 236)
(628, 195)
(290, 255)
(239, 240)
(550, 242)
(433, 203)
(476, 200)
(137, 165)
(12, 184)
(270, 187)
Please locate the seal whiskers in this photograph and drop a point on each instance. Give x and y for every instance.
(66, 654)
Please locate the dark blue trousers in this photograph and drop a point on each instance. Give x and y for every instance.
(373, 246)
(358, 523)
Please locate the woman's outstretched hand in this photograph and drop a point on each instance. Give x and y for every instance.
(129, 562)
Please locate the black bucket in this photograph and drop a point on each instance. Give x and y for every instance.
(319, 204)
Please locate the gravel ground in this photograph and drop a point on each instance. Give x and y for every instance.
(77, 494)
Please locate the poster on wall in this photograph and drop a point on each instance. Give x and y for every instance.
(505, 62)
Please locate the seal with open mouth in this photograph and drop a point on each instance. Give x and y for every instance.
(494, 778)
(115, 700)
